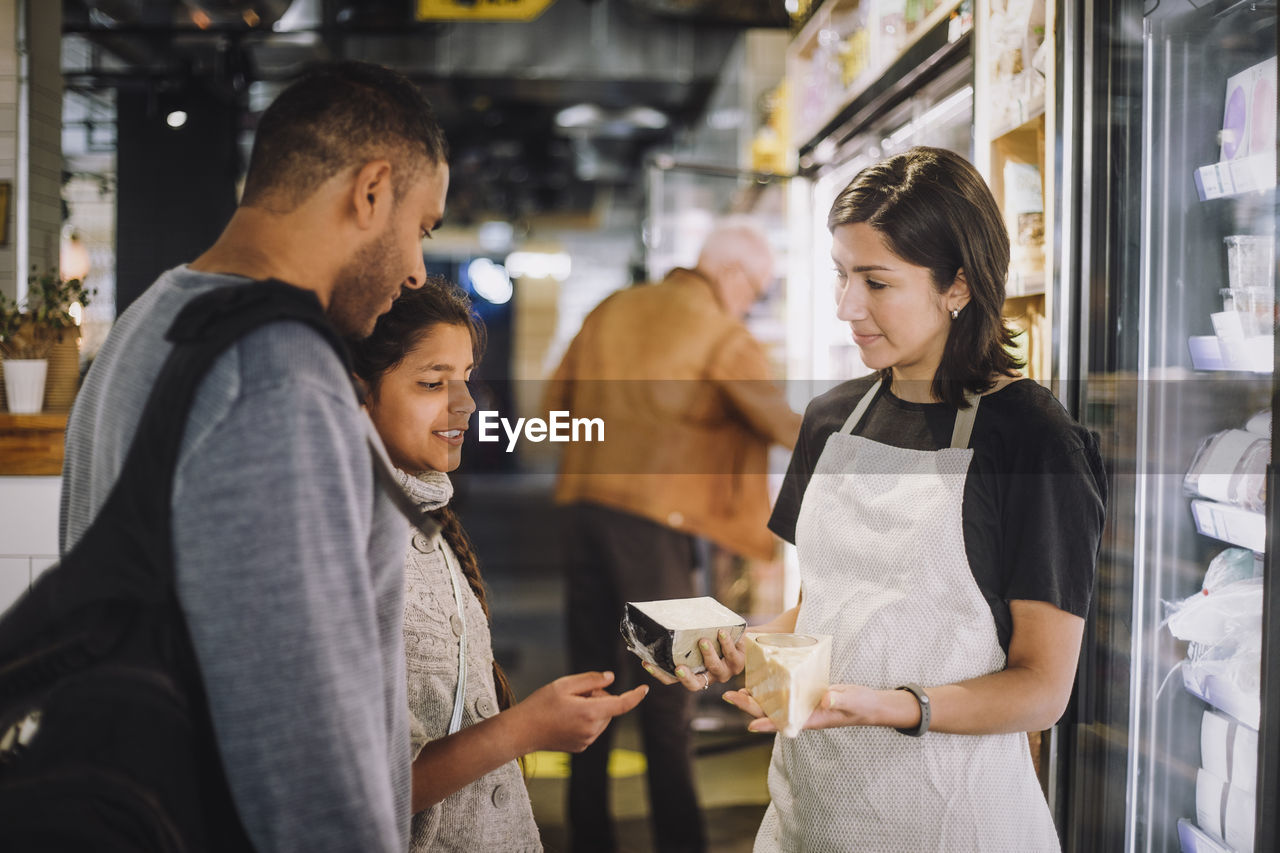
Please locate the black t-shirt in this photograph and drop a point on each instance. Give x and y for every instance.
(1034, 497)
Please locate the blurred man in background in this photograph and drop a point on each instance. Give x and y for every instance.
(690, 411)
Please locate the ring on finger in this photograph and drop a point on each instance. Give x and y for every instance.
(706, 680)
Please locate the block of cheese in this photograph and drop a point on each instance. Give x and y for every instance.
(1224, 810)
(1229, 750)
(665, 634)
(788, 674)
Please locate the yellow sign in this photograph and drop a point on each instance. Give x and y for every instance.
(481, 10)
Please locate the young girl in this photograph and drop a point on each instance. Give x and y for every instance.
(946, 515)
(467, 731)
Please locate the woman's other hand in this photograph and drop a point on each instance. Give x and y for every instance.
(842, 705)
(568, 714)
(722, 664)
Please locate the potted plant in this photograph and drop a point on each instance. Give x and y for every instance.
(32, 332)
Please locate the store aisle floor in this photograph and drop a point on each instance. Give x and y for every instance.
(510, 520)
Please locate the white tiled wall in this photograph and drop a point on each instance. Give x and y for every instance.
(28, 532)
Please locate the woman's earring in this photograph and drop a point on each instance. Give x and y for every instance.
(955, 313)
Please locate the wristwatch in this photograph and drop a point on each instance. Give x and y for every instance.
(925, 712)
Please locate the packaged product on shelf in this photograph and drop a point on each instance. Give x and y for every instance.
(1225, 810)
(1231, 467)
(892, 29)
(1229, 750)
(665, 633)
(1229, 566)
(1249, 116)
(1250, 261)
(1260, 424)
(1224, 655)
(1230, 613)
(1024, 214)
(1233, 524)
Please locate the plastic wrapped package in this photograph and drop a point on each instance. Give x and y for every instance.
(1231, 467)
(1213, 616)
(1229, 750)
(1225, 811)
(665, 634)
(1231, 565)
(1260, 424)
(1224, 658)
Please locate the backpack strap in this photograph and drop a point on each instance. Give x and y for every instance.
(134, 524)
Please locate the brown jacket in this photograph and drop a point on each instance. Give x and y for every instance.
(689, 412)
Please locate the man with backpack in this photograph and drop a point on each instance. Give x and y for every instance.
(286, 555)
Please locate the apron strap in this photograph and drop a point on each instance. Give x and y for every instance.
(960, 433)
(964, 422)
(861, 409)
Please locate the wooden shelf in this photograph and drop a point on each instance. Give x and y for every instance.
(31, 445)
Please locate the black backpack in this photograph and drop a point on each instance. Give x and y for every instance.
(106, 742)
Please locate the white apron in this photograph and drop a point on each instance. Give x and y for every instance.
(881, 548)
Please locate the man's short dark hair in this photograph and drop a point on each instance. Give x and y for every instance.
(336, 116)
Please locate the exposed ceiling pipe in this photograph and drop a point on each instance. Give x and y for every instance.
(22, 203)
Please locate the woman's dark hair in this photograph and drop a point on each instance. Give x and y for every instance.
(934, 210)
(412, 317)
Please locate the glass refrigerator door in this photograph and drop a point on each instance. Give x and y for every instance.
(1179, 385)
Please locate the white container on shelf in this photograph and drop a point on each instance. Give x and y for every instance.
(1232, 524)
(1229, 750)
(24, 384)
(1225, 811)
(1223, 694)
(1251, 354)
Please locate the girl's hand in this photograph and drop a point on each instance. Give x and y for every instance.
(842, 705)
(721, 665)
(568, 714)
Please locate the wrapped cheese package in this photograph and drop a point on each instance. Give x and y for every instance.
(788, 674)
(665, 634)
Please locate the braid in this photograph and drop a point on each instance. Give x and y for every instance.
(457, 539)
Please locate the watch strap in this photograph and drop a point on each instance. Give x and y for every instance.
(926, 712)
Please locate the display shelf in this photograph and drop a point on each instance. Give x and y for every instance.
(1193, 839)
(847, 46)
(1026, 115)
(1231, 524)
(1230, 178)
(31, 445)
(1250, 355)
(1013, 82)
(1220, 693)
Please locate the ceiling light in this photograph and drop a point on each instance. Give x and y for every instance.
(555, 265)
(646, 117)
(495, 236)
(490, 281)
(728, 118)
(579, 116)
(176, 119)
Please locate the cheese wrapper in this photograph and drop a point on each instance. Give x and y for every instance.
(788, 674)
(665, 634)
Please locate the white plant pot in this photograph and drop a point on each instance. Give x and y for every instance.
(24, 384)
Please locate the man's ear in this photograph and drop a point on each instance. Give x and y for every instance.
(371, 194)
